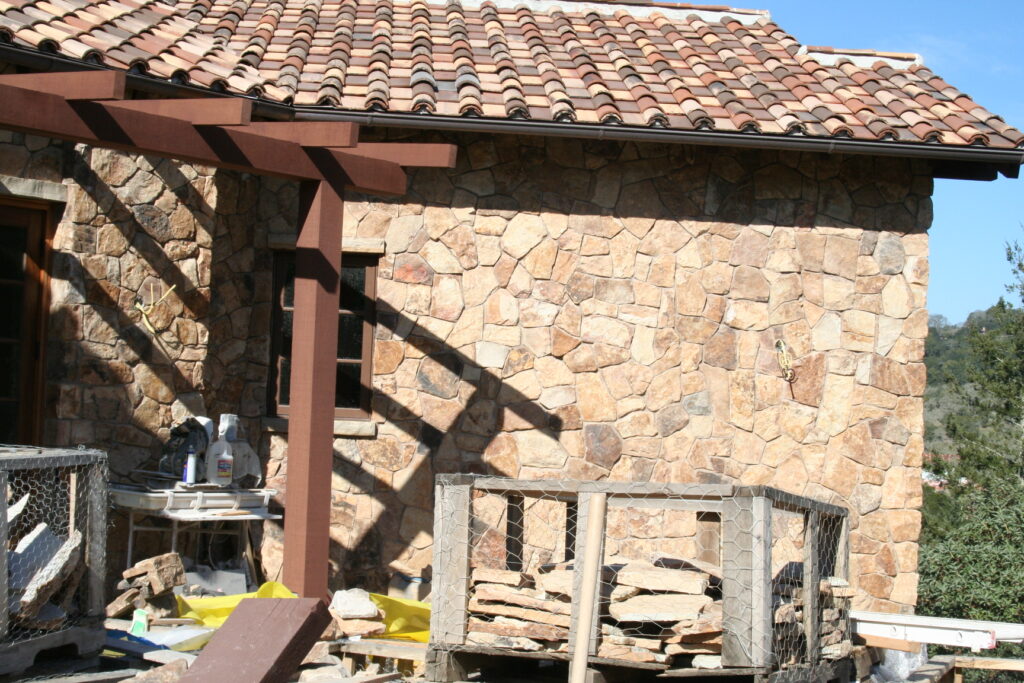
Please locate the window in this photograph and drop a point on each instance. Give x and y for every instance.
(21, 273)
(355, 335)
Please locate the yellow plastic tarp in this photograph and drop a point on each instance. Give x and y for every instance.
(212, 612)
(404, 619)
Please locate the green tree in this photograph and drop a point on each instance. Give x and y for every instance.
(972, 544)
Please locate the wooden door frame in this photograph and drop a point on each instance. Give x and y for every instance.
(38, 272)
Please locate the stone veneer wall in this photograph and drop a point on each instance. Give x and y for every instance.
(548, 309)
(594, 310)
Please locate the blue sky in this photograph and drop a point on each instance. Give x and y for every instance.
(976, 47)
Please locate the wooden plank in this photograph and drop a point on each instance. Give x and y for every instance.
(761, 580)
(811, 594)
(73, 85)
(692, 504)
(391, 649)
(989, 663)
(95, 483)
(736, 581)
(415, 154)
(585, 639)
(5, 535)
(309, 133)
(263, 641)
(514, 513)
(451, 562)
(206, 111)
(887, 643)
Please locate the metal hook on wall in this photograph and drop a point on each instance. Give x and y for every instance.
(785, 362)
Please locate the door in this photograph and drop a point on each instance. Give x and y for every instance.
(21, 272)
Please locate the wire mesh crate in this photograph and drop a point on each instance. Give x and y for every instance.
(53, 515)
(684, 576)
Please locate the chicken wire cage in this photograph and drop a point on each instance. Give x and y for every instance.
(685, 576)
(53, 512)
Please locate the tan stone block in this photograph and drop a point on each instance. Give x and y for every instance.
(522, 234)
(541, 260)
(468, 328)
(747, 315)
(689, 257)
(840, 476)
(837, 399)
(741, 399)
(796, 420)
(749, 283)
(904, 588)
(664, 389)
(747, 448)
(876, 585)
(593, 399)
(565, 264)
(696, 330)
(593, 246)
(750, 249)
(897, 300)
(477, 285)
(875, 526)
(812, 250)
(606, 330)
(837, 293)
(827, 333)
(623, 252)
(791, 476)
(509, 335)
(720, 350)
(662, 272)
(905, 525)
(840, 256)
(717, 278)
(521, 282)
(535, 313)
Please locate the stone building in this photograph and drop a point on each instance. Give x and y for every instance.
(648, 199)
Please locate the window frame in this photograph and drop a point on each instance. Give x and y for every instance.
(280, 264)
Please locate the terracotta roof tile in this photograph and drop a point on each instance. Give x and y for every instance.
(631, 63)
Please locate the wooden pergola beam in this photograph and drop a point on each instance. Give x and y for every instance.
(309, 133)
(72, 85)
(418, 154)
(325, 158)
(235, 148)
(207, 111)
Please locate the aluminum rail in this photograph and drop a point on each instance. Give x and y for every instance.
(976, 635)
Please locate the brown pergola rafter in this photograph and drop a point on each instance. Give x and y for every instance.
(326, 158)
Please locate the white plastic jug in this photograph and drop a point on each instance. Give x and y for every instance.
(220, 464)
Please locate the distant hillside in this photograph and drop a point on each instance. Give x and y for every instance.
(948, 357)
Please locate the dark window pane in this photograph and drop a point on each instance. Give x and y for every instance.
(9, 364)
(12, 252)
(347, 390)
(285, 381)
(10, 310)
(353, 287)
(8, 422)
(350, 337)
(288, 282)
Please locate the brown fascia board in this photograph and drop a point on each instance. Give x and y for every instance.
(956, 162)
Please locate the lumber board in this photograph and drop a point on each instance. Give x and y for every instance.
(886, 643)
(263, 641)
(451, 562)
(391, 649)
(811, 594)
(989, 663)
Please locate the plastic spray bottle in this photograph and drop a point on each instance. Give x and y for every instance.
(219, 461)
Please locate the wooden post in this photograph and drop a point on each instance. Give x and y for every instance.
(589, 574)
(746, 580)
(811, 591)
(311, 414)
(4, 533)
